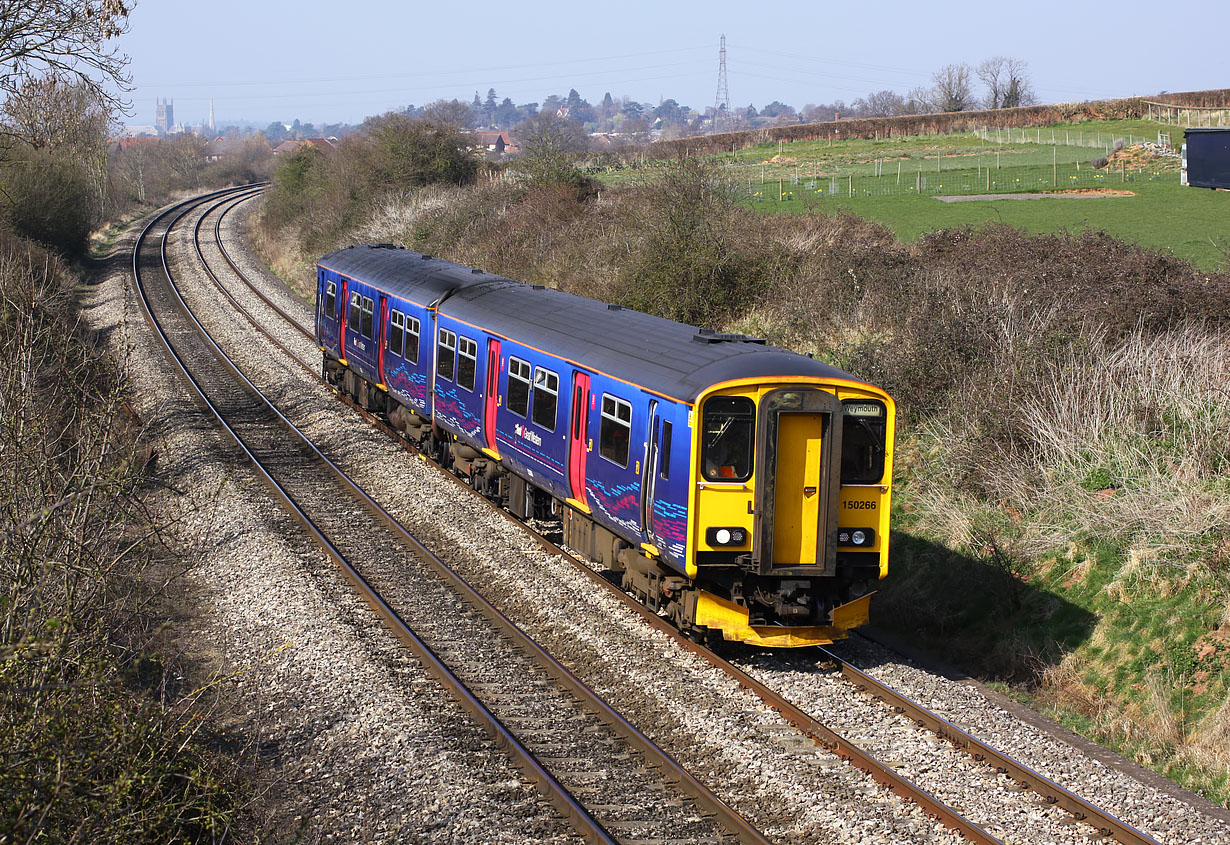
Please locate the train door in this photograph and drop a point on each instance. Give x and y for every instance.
(344, 305)
(492, 398)
(799, 484)
(382, 340)
(649, 473)
(800, 441)
(577, 436)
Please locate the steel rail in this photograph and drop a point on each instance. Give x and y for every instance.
(1052, 792)
(704, 797)
(226, 255)
(555, 793)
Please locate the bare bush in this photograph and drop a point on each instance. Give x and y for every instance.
(101, 744)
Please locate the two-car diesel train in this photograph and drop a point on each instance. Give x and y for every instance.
(739, 488)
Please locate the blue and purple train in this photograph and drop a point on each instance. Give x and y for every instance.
(740, 488)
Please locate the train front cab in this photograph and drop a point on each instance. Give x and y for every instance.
(790, 509)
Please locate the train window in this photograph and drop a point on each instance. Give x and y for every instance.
(356, 310)
(546, 398)
(726, 452)
(467, 362)
(615, 430)
(446, 354)
(412, 340)
(519, 387)
(664, 451)
(331, 300)
(397, 332)
(863, 429)
(368, 308)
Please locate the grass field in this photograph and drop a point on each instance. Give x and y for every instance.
(816, 177)
(1190, 222)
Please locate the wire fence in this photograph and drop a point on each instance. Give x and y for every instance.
(1067, 138)
(953, 182)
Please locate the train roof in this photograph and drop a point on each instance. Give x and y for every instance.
(402, 272)
(666, 357)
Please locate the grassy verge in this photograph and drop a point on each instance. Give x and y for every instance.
(1090, 563)
(103, 739)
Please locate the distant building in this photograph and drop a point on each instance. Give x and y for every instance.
(164, 116)
(220, 148)
(323, 144)
(495, 142)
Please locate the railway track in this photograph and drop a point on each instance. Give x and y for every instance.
(1102, 823)
(611, 781)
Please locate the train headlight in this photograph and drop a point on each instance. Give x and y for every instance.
(861, 537)
(726, 536)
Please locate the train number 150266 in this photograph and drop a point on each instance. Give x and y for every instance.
(859, 504)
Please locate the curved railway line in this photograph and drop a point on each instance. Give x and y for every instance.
(510, 682)
(558, 730)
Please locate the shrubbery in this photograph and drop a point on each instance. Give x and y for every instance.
(101, 743)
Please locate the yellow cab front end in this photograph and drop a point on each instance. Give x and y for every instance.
(788, 526)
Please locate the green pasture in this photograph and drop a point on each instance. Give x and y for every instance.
(1193, 223)
(895, 181)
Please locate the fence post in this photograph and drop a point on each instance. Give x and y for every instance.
(851, 178)
(1055, 166)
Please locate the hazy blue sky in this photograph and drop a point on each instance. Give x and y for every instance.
(342, 61)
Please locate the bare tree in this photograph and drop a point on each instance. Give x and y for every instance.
(450, 113)
(919, 101)
(66, 39)
(952, 91)
(880, 104)
(1007, 82)
(1019, 91)
(52, 112)
(66, 118)
(991, 73)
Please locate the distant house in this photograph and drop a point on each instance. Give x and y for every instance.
(123, 144)
(495, 142)
(220, 148)
(325, 145)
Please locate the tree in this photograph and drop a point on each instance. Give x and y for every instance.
(450, 113)
(919, 101)
(66, 39)
(57, 113)
(489, 106)
(1019, 91)
(1007, 82)
(549, 145)
(951, 91)
(880, 104)
(505, 114)
(403, 151)
(670, 112)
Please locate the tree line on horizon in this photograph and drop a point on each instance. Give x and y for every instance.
(1005, 83)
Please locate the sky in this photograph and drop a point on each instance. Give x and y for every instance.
(333, 62)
